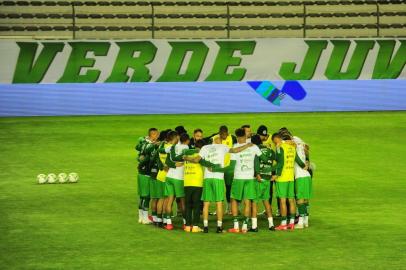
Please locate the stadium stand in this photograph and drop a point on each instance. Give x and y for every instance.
(201, 19)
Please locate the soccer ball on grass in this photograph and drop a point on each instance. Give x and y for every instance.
(73, 177)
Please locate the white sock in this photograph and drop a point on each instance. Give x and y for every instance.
(292, 221)
(306, 220)
(169, 221)
(219, 223)
(244, 226)
(283, 222)
(164, 220)
(236, 225)
(205, 223)
(254, 223)
(145, 214)
(270, 221)
(184, 221)
(158, 219)
(140, 214)
(154, 218)
(301, 219)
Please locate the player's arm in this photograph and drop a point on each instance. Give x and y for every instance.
(161, 148)
(207, 163)
(195, 159)
(257, 168)
(174, 157)
(208, 140)
(229, 168)
(152, 159)
(300, 162)
(169, 162)
(148, 155)
(240, 148)
(307, 152)
(279, 162)
(138, 146)
(187, 156)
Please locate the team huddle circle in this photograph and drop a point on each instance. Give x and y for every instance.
(240, 170)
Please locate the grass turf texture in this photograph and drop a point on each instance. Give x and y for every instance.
(357, 221)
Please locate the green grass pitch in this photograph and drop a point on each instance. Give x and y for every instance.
(357, 214)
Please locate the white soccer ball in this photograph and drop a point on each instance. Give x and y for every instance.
(73, 177)
(62, 177)
(51, 178)
(42, 178)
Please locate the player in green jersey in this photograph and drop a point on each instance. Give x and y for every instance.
(263, 177)
(161, 175)
(144, 147)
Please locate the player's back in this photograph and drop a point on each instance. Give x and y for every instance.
(214, 153)
(177, 173)
(244, 161)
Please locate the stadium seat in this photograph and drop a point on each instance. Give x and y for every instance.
(120, 15)
(191, 34)
(392, 14)
(266, 21)
(332, 33)
(201, 19)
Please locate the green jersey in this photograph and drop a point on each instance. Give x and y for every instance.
(154, 162)
(266, 167)
(144, 148)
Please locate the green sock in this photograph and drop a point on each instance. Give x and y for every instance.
(302, 210)
(306, 208)
(246, 220)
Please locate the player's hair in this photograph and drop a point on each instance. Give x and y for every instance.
(245, 126)
(184, 137)
(284, 130)
(223, 129)
(276, 134)
(151, 130)
(239, 132)
(199, 143)
(163, 135)
(197, 130)
(180, 130)
(171, 135)
(256, 139)
(285, 136)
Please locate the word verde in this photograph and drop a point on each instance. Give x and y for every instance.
(32, 65)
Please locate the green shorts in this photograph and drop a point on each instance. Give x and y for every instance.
(152, 188)
(213, 190)
(263, 190)
(243, 189)
(303, 187)
(143, 185)
(159, 189)
(174, 187)
(228, 178)
(285, 190)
